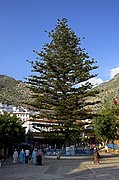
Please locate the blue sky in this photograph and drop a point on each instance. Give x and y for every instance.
(23, 24)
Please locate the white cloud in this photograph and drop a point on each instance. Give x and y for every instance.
(96, 81)
(114, 71)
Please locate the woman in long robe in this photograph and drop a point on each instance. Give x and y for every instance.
(39, 157)
(15, 157)
(34, 156)
(21, 156)
(96, 156)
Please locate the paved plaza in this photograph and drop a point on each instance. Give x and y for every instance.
(63, 169)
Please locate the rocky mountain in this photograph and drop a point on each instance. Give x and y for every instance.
(15, 92)
(12, 91)
(108, 90)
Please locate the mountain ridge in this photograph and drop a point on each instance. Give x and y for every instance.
(15, 91)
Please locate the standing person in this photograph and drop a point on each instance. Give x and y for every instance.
(15, 157)
(59, 154)
(34, 156)
(27, 152)
(39, 157)
(21, 156)
(96, 156)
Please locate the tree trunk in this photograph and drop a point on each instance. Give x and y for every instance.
(67, 139)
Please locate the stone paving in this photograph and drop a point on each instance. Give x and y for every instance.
(64, 169)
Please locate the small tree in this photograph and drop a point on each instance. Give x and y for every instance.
(60, 68)
(12, 131)
(105, 125)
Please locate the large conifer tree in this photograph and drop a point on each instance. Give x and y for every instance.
(59, 70)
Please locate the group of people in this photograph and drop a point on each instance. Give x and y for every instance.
(37, 156)
(24, 156)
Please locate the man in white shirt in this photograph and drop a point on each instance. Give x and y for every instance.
(27, 152)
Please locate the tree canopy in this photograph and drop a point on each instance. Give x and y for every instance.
(11, 130)
(57, 82)
(106, 124)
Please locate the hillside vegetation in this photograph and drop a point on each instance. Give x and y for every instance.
(108, 90)
(12, 91)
